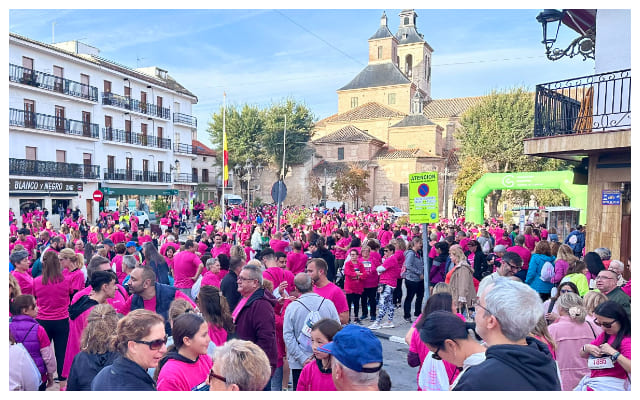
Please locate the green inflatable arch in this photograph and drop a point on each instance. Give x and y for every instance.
(524, 181)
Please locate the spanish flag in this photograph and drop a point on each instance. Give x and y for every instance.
(225, 152)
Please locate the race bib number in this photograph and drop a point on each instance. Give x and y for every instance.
(599, 362)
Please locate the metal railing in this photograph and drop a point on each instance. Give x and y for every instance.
(581, 105)
(19, 166)
(112, 99)
(185, 119)
(118, 135)
(53, 83)
(183, 148)
(186, 178)
(51, 123)
(136, 175)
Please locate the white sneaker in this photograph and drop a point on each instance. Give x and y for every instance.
(388, 325)
(375, 325)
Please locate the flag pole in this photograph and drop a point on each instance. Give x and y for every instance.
(225, 159)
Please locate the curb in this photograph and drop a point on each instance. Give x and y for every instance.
(391, 338)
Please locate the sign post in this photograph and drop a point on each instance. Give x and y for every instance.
(424, 210)
(278, 194)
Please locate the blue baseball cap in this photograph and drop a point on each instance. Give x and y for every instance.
(131, 243)
(355, 346)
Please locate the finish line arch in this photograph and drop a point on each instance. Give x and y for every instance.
(524, 181)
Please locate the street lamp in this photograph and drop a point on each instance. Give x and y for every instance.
(245, 172)
(583, 45)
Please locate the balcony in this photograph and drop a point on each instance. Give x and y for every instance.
(127, 103)
(186, 178)
(185, 119)
(19, 166)
(51, 123)
(52, 83)
(136, 176)
(117, 135)
(589, 104)
(184, 148)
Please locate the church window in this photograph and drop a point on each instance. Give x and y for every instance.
(408, 64)
(354, 102)
(406, 20)
(340, 153)
(379, 52)
(391, 98)
(404, 190)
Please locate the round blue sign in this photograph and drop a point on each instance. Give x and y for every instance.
(423, 190)
(433, 215)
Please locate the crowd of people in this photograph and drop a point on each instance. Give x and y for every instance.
(242, 304)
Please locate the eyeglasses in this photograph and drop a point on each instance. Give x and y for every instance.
(153, 344)
(435, 355)
(604, 324)
(240, 278)
(386, 250)
(513, 266)
(216, 376)
(487, 310)
(604, 277)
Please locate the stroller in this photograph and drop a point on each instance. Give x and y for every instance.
(183, 229)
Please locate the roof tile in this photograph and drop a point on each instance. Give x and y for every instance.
(370, 110)
(445, 108)
(348, 133)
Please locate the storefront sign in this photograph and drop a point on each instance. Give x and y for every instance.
(610, 197)
(29, 185)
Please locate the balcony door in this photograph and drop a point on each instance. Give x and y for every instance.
(160, 171)
(29, 113)
(159, 111)
(111, 167)
(160, 133)
(27, 73)
(84, 79)
(31, 154)
(58, 83)
(143, 136)
(86, 124)
(129, 168)
(145, 170)
(108, 123)
(86, 162)
(60, 119)
(127, 129)
(107, 86)
(143, 102)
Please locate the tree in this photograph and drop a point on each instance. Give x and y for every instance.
(493, 131)
(160, 206)
(315, 186)
(299, 124)
(471, 169)
(351, 184)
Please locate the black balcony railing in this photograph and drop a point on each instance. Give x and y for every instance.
(136, 176)
(118, 135)
(51, 123)
(111, 99)
(53, 83)
(184, 148)
(185, 119)
(19, 166)
(581, 105)
(186, 178)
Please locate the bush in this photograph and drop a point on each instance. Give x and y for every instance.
(213, 214)
(160, 207)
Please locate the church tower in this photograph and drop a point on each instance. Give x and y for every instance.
(414, 53)
(383, 46)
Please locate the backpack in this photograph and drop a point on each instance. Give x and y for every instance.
(547, 272)
(304, 338)
(573, 239)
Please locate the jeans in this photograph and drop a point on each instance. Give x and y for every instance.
(354, 298)
(276, 380)
(397, 292)
(369, 296)
(295, 374)
(385, 304)
(58, 332)
(414, 288)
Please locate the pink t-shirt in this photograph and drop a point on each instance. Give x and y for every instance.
(311, 379)
(181, 376)
(185, 266)
(151, 303)
(117, 302)
(76, 278)
(53, 298)
(296, 262)
(163, 248)
(24, 280)
(335, 294)
(278, 245)
(218, 335)
(211, 279)
(523, 253)
(224, 248)
(617, 371)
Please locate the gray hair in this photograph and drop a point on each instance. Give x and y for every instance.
(519, 240)
(515, 305)
(303, 282)
(211, 261)
(18, 256)
(129, 261)
(243, 363)
(254, 272)
(354, 377)
(603, 252)
(616, 266)
(95, 263)
(572, 304)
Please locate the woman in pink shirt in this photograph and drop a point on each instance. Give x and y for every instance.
(354, 274)
(186, 366)
(20, 260)
(210, 277)
(71, 264)
(215, 310)
(370, 259)
(52, 291)
(316, 375)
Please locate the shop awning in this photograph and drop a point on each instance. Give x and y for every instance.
(136, 191)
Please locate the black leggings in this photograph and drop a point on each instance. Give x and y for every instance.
(58, 332)
(413, 289)
(354, 298)
(369, 296)
(397, 293)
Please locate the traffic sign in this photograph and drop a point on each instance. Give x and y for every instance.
(279, 192)
(423, 198)
(98, 196)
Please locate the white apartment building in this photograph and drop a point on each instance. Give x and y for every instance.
(80, 123)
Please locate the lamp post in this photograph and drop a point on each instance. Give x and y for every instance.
(585, 45)
(245, 172)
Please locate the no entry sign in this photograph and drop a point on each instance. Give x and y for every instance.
(98, 196)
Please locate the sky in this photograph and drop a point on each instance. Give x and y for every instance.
(262, 56)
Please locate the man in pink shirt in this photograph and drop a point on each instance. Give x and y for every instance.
(99, 263)
(187, 267)
(277, 244)
(219, 247)
(317, 270)
(296, 260)
(171, 241)
(524, 253)
(28, 244)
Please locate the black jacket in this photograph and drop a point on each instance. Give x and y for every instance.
(123, 374)
(85, 367)
(326, 255)
(229, 288)
(480, 265)
(513, 367)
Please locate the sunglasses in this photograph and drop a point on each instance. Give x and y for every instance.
(153, 344)
(435, 355)
(513, 266)
(604, 324)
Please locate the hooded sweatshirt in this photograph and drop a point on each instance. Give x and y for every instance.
(85, 367)
(78, 315)
(513, 367)
(178, 373)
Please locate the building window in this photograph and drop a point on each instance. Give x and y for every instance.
(30, 153)
(204, 159)
(340, 153)
(111, 163)
(379, 52)
(160, 167)
(354, 102)
(61, 156)
(404, 190)
(205, 175)
(391, 98)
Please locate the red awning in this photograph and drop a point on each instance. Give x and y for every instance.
(580, 20)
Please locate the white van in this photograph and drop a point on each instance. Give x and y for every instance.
(232, 199)
(395, 211)
(330, 204)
